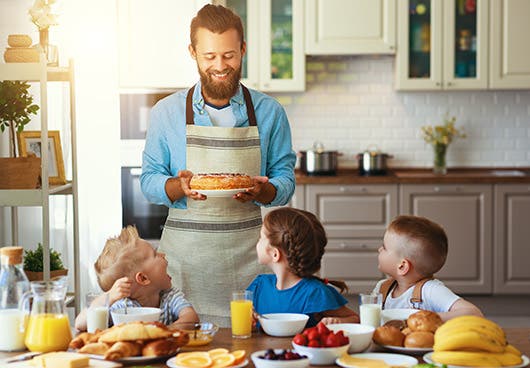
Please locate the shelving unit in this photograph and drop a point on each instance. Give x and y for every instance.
(42, 74)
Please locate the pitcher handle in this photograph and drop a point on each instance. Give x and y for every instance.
(23, 306)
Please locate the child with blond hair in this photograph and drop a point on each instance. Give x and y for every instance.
(414, 249)
(292, 244)
(131, 272)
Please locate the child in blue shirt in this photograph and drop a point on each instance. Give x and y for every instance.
(292, 244)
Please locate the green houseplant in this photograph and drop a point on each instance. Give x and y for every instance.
(33, 264)
(16, 106)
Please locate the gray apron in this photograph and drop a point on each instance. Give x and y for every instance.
(211, 245)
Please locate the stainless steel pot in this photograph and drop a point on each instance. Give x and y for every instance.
(319, 161)
(373, 162)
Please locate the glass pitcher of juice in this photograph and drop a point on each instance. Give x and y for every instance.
(48, 328)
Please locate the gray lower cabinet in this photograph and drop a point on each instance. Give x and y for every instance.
(465, 213)
(355, 218)
(512, 239)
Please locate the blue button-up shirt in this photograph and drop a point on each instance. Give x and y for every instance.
(165, 146)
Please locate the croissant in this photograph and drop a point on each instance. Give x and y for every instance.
(134, 331)
(166, 346)
(123, 349)
(98, 348)
(80, 340)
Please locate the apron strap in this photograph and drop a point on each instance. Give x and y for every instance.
(248, 101)
(415, 300)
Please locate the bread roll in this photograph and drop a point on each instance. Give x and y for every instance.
(399, 324)
(388, 335)
(98, 348)
(419, 339)
(134, 331)
(424, 320)
(123, 349)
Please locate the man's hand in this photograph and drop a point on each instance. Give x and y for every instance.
(120, 289)
(185, 178)
(262, 191)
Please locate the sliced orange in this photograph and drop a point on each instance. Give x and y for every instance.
(215, 352)
(194, 359)
(223, 360)
(239, 355)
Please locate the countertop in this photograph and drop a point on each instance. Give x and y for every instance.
(470, 175)
(519, 337)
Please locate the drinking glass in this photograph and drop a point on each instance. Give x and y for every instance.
(241, 314)
(97, 314)
(370, 309)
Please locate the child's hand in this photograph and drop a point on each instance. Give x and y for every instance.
(120, 289)
(330, 320)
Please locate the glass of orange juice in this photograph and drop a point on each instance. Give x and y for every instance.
(241, 314)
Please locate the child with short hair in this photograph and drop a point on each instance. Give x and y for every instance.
(414, 249)
(131, 271)
(292, 244)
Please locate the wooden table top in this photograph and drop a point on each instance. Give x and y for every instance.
(519, 337)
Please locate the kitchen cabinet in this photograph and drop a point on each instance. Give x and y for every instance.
(510, 53)
(345, 27)
(274, 32)
(355, 218)
(153, 39)
(465, 212)
(442, 45)
(511, 234)
(43, 75)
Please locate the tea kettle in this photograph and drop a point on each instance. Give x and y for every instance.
(48, 328)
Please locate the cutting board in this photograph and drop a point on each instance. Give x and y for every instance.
(92, 363)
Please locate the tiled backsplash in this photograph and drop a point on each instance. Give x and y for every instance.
(350, 103)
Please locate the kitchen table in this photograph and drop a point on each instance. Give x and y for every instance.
(519, 337)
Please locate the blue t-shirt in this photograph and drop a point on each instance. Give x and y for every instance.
(309, 296)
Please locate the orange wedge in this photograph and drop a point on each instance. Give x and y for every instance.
(239, 355)
(194, 359)
(214, 352)
(223, 360)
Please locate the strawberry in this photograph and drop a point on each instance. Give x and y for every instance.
(343, 340)
(313, 335)
(300, 339)
(313, 344)
(332, 341)
(308, 330)
(322, 329)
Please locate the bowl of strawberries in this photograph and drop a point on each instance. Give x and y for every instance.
(320, 344)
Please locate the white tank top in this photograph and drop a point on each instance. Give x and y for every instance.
(223, 117)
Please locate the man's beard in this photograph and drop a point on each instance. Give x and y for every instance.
(224, 89)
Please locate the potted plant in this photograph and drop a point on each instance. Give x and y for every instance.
(16, 106)
(33, 264)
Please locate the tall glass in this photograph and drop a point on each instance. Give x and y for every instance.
(97, 313)
(241, 314)
(370, 309)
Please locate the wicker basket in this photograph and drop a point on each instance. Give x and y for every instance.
(20, 173)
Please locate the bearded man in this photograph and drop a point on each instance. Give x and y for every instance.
(217, 126)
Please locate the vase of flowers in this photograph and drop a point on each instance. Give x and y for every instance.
(440, 136)
(42, 16)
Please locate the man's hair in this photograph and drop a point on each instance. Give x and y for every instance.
(119, 258)
(425, 242)
(216, 19)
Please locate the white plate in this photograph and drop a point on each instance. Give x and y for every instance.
(392, 359)
(135, 359)
(404, 350)
(220, 192)
(92, 363)
(171, 363)
(428, 358)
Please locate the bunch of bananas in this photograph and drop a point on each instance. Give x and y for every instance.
(475, 342)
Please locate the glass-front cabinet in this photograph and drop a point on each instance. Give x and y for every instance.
(442, 44)
(275, 59)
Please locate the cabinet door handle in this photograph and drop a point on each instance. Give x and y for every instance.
(438, 84)
(449, 84)
(348, 189)
(438, 189)
(353, 246)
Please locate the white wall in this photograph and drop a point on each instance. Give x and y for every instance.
(350, 103)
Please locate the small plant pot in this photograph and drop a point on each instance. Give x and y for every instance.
(20, 172)
(39, 276)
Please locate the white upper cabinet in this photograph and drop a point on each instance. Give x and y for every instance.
(510, 47)
(274, 32)
(153, 43)
(350, 27)
(442, 45)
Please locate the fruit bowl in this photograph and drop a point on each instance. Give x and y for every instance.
(283, 324)
(321, 356)
(260, 361)
(360, 335)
